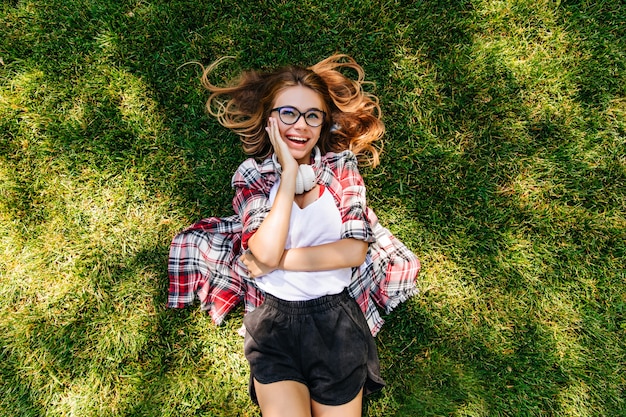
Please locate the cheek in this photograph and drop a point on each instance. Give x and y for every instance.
(282, 129)
(318, 133)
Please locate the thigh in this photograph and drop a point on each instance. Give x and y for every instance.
(352, 409)
(283, 399)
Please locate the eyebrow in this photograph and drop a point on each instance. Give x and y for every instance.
(294, 107)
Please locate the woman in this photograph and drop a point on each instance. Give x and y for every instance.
(302, 249)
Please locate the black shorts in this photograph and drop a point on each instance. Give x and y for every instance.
(324, 343)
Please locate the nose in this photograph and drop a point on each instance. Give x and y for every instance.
(300, 123)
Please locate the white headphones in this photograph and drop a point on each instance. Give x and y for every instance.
(306, 179)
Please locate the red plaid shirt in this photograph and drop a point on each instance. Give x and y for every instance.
(204, 259)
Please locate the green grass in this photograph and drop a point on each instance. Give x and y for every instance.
(503, 169)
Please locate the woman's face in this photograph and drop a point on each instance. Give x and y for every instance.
(300, 137)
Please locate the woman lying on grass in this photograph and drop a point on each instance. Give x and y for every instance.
(303, 250)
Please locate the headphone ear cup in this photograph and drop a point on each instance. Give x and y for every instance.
(299, 183)
(305, 180)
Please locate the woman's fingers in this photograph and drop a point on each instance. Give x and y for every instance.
(254, 267)
(280, 147)
(275, 139)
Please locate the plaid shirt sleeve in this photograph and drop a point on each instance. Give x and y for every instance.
(388, 275)
(386, 278)
(251, 202)
(204, 258)
(200, 261)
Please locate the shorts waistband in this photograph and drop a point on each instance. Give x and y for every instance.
(308, 306)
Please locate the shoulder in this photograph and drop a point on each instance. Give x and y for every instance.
(340, 171)
(341, 161)
(251, 172)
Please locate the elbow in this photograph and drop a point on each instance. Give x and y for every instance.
(271, 263)
(270, 260)
(269, 256)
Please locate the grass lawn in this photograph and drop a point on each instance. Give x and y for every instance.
(504, 170)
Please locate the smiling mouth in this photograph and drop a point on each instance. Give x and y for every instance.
(298, 140)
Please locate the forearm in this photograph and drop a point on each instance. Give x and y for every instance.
(345, 253)
(268, 242)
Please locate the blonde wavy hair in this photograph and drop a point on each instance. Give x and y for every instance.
(353, 117)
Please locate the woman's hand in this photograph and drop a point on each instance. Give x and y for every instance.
(254, 266)
(285, 159)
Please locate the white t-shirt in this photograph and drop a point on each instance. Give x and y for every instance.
(316, 224)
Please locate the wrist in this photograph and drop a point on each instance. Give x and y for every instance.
(288, 181)
(289, 171)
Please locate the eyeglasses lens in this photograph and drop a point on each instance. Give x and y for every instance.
(289, 116)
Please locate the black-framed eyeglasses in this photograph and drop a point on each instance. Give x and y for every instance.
(290, 116)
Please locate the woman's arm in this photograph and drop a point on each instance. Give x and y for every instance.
(268, 242)
(344, 253)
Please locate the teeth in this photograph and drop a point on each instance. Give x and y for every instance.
(297, 139)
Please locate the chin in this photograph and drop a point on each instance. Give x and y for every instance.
(299, 155)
